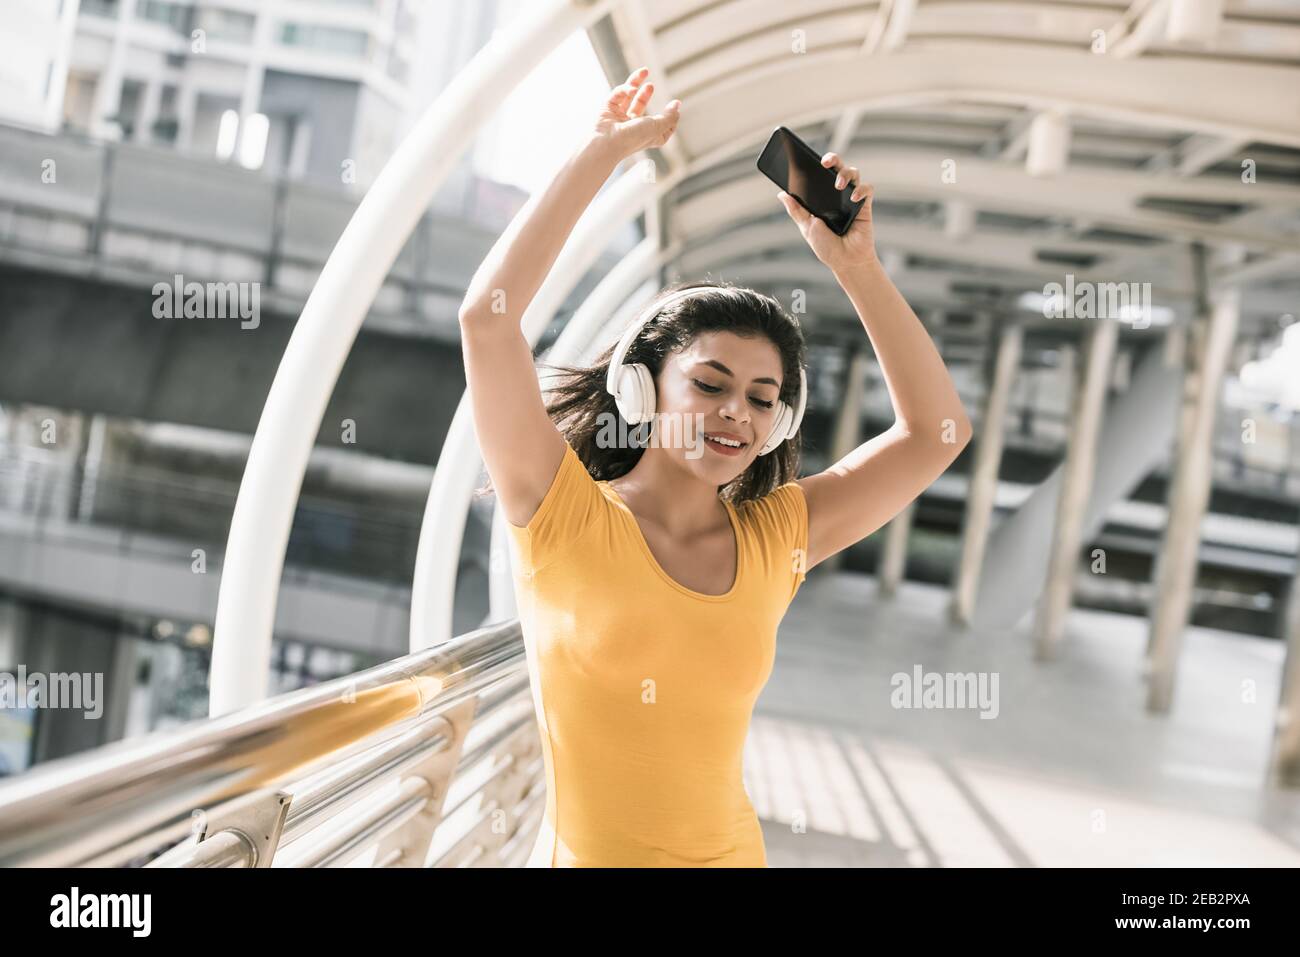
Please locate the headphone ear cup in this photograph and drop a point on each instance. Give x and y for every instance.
(646, 390)
(627, 393)
(784, 416)
(636, 393)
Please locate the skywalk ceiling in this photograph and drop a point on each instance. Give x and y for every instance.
(1138, 122)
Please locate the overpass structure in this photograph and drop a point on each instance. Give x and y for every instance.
(1031, 145)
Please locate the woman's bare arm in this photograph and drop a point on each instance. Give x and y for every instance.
(521, 447)
(877, 480)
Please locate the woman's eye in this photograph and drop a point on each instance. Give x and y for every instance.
(713, 390)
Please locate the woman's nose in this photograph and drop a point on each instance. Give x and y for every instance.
(727, 413)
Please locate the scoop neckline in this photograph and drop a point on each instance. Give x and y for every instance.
(654, 562)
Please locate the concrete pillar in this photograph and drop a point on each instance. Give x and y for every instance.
(984, 474)
(1285, 763)
(1135, 435)
(108, 90)
(187, 103)
(848, 427)
(89, 465)
(891, 567)
(1080, 465)
(250, 97)
(1210, 341)
(893, 556)
(150, 102)
(53, 119)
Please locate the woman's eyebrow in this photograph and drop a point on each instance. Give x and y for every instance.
(766, 380)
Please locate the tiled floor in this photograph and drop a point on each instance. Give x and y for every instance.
(1069, 770)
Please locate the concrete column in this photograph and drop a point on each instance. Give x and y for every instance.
(1076, 485)
(187, 103)
(67, 30)
(108, 91)
(89, 467)
(251, 95)
(1285, 763)
(150, 103)
(1135, 435)
(984, 474)
(1208, 347)
(893, 557)
(891, 567)
(848, 428)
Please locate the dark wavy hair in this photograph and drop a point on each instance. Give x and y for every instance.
(578, 403)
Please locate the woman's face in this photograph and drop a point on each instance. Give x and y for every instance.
(721, 384)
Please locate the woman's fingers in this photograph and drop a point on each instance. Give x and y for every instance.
(641, 99)
(861, 191)
(622, 94)
(797, 212)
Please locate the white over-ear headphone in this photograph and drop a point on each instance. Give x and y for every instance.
(633, 387)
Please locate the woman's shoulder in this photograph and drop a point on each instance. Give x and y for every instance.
(778, 522)
(574, 502)
(789, 493)
(781, 510)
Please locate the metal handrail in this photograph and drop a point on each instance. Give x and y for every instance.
(235, 790)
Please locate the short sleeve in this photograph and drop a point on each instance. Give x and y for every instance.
(782, 519)
(571, 505)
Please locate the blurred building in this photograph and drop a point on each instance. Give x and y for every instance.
(35, 46)
(315, 89)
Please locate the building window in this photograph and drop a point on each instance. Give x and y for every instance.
(172, 15)
(227, 25)
(325, 39)
(99, 8)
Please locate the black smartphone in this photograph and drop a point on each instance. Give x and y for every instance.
(797, 168)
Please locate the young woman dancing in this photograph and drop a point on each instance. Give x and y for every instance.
(651, 579)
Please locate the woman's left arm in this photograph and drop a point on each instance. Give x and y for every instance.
(877, 480)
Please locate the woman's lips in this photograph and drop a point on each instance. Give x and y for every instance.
(728, 450)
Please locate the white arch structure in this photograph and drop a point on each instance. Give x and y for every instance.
(735, 91)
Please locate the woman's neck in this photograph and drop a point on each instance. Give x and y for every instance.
(659, 490)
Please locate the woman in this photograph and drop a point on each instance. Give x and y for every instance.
(651, 580)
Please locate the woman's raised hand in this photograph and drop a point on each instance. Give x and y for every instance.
(623, 124)
(855, 246)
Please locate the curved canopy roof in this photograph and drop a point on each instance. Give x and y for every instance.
(1165, 110)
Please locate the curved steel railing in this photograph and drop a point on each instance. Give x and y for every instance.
(432, 759)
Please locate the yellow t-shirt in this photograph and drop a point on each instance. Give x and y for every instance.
(644, 688)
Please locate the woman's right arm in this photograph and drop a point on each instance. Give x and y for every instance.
(521, 446)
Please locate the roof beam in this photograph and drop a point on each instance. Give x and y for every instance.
(631, 18)
(900, 21)
(1137, 28)
(1011, 142)
(1195, 154)
(1176, 93)
(1101, 196)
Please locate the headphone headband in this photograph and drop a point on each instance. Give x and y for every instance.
(633, 329)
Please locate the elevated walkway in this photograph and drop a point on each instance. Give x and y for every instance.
(1072, 772)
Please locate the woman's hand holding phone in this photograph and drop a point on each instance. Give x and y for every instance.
(623, 128)
(857, 245)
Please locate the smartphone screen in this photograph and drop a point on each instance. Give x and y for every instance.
(797, 168)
